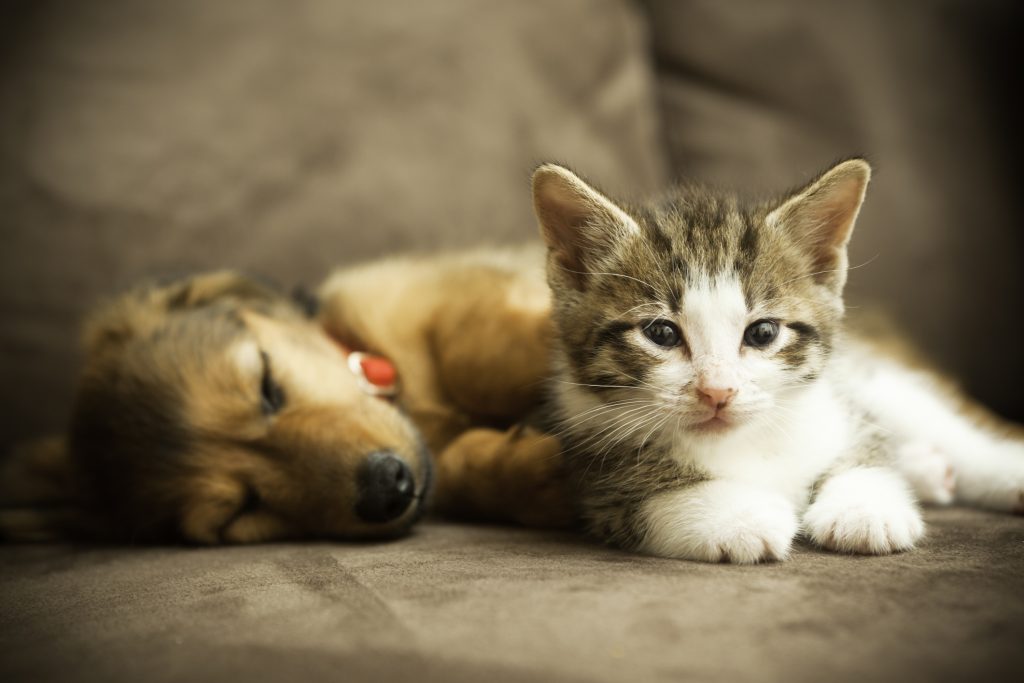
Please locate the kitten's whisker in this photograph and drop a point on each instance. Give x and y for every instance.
(637, 414)
(642, 382)
(792, 297)
(643, 442)
(599, 439)
(609, 406)
(631, 428)
(655, 304)
(614, 422)
(628, 277)
(609, 386)
(626, 419)
(833, 270)
(613, 404)
(598, 411)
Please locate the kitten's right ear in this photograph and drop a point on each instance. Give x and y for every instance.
(577, 221)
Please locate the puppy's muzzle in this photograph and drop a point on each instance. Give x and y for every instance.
(386, 488)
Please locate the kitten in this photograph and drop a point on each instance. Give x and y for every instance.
(714, 407)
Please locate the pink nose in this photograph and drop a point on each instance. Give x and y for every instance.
(716, 397)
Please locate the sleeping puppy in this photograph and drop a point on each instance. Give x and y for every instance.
(216, 409)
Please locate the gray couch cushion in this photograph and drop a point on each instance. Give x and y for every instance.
(477, 604)
(284, 138)
(764, 95)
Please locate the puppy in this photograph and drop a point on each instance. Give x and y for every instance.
(216, 409)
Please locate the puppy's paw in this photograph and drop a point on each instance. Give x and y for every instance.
(928, 471)
(516, 476)
(866, 510)
(720, 521)
(541, 495)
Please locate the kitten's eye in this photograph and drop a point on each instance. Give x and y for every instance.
(761, 333)
(271, 393)
(663, 333)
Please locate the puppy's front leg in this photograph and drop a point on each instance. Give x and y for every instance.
(492, 347)
(515, 475)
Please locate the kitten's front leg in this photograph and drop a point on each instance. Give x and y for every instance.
(719, 521)
(868, 510)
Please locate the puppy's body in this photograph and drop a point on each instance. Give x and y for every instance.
(470, 334)
(213, 409)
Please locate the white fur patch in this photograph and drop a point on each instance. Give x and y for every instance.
(720, 521)
(928, 472)
(912, 408)
(866, 510)
(714, 319)
(785, 451)
(247, 358)
(716, 314)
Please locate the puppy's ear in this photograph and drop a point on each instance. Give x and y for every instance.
(203, 289)
(142, 310)
(39, 500)
(578, 223)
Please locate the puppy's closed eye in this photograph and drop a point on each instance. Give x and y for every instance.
(272, 396)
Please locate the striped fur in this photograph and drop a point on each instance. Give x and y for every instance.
(664, 464)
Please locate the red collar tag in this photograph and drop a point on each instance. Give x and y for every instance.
(376, 374)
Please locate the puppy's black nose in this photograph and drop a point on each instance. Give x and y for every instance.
(386, 488)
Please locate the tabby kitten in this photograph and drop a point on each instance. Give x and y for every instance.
(714, 407)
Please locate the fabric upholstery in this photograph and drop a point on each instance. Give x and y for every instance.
(142, 138)
(462, 603)
(764, 95)
(146, 137)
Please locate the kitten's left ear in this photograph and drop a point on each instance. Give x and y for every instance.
(820, 217)
(577, 222)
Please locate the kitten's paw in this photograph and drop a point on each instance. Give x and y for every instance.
(928, 471)
(865, 510)
(720, 521)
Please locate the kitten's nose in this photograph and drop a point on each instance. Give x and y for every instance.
(716, 397)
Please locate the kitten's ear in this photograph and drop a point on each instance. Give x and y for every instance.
(820, 217)
(577, 222)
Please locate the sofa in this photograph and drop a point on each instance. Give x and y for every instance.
(141, 138)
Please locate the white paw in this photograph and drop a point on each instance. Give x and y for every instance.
(720, 521)
(865, 510)
(928, 471)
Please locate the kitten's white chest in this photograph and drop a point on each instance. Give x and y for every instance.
(786, 456)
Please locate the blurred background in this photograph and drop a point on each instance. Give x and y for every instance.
(145, 137)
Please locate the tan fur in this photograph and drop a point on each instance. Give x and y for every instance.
(469, 335)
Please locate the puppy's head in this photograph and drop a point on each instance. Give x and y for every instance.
(215, 410)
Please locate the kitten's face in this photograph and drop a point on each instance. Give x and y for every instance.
(705, 313)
